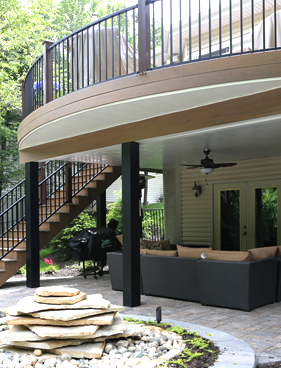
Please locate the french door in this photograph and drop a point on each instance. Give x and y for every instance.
(246, 215)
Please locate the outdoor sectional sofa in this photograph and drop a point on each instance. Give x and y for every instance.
(240, 284)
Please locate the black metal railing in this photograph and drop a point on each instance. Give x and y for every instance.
(181, 31)
(59, 182)
(157, 223)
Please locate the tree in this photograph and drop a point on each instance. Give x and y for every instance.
(22, 31)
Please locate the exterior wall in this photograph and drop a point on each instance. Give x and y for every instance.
(196, 213)
(155, 189)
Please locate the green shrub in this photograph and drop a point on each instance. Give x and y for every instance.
(114, 211)
(83, 221)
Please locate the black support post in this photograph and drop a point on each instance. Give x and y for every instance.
(32, 225)
(131, 232)
(101, 210)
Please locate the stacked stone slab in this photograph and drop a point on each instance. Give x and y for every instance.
(65, 320)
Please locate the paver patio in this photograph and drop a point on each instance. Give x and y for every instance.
(260, 328)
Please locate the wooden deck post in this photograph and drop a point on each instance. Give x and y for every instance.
(144, 35)
(101, 210)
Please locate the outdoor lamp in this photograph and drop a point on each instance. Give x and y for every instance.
(207, 170)
(197, 189)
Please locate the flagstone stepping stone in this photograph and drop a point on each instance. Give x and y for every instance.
(72, 314)
(130, 330)
(57, 291)
(86, 350)
(100, 320)
(61, 300)
(22, 333)
(28, 305)
(47, 344)
(58, 332)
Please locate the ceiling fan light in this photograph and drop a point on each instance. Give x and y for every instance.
(206, 170)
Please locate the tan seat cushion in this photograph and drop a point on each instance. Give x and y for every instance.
(264, 252)
(148, 243)
(143, 251)
(168, 253)
(224, 255)
(190, 252)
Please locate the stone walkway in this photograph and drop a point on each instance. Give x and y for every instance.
(260, 328)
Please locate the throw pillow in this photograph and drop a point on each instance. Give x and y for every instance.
(221, 255)
(165, 243)
(264, 252)
(143, 244)
(190, 252)
(166, 253)
(156, 246)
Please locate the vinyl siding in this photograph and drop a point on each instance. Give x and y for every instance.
(197, 213)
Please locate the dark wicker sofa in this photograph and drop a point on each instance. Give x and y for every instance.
(238, 285)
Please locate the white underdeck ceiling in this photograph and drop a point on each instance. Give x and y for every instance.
(235, 142)
(247, 140)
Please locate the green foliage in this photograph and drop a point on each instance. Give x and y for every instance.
(158, 205)
(82, 221)
(114, 211)
(44, 267)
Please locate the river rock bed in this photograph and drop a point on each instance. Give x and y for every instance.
(150, 348)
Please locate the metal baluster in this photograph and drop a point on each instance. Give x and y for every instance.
(105, 51)
(241, 23)
(275, 26)
(59, 70)
(199, 25)
(55, 72)
(72, 77)
(153, 32)
(230, 26)
(189, 41)
(82, 58)
(134, 38)
(180, 28)
(93, 52)
(63, 76)
(252, 14)
(171, 33)
(88, 59)
(112, 49)
(162, 32)
(99, 54)
(76, 66)
(119, 50)
(263, 22)
(67, 63)
(126, 22)
(220, 30)
(210, 31)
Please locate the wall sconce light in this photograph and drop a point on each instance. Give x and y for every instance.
(197, 190)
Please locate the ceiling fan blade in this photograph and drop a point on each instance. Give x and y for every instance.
(227, 164)
(191, 166)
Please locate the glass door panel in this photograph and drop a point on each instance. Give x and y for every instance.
(230, 222)
(230, 219)
(266, 209)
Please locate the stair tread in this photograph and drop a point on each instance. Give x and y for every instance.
(9, 260)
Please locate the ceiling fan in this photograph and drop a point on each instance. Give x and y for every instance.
(207, 165)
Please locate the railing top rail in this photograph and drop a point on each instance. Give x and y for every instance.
(93, 23)
(30, 69)
(53, 173)
(4, 195)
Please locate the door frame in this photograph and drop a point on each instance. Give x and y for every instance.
(247, 210)
(217, 188)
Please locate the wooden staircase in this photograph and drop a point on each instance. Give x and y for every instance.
(16, 258)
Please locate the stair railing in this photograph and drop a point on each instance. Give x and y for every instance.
(53, 193)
